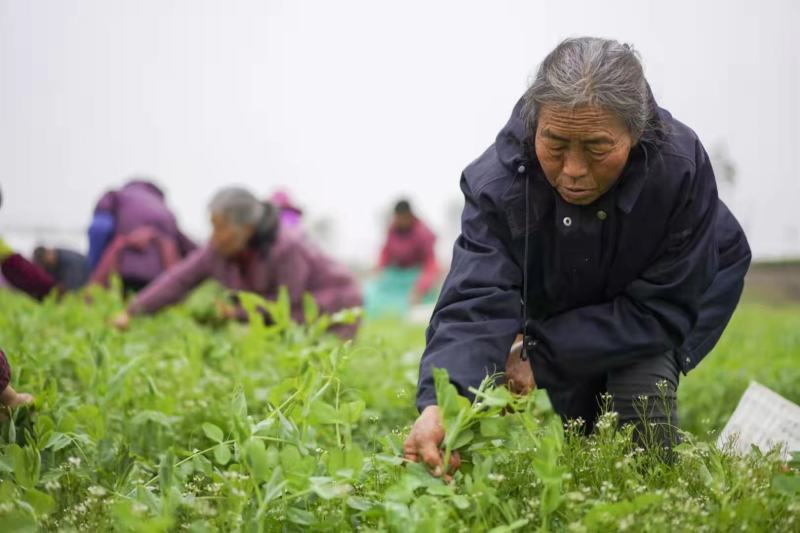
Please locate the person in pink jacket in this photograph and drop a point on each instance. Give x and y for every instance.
(407, 270)
(409, 244)
(250, 250)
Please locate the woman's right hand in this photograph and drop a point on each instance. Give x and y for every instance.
(12, 399)
(424, 443)
(122, 321)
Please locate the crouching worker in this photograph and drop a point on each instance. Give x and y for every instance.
(407, 266)
(134, 234)
(22, 274)
(68, 268)
(604, 207)
(251, 251)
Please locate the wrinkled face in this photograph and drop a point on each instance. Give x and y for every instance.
(582, 151)
(403, 221)
(228, 239)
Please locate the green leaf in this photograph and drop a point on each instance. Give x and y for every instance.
(492, 427)
(274, 487)
(460, 501)
(256, 457)
(513, 526)
(464, 438)
(25, 464)
(440, 490)
(347, 463)
(310, 308)
(57, 441)
(786, 484)
(300, 517)
(239, 404)
(390, 459)
(335, 461)
(351, 411)
(359, 504)
(166, 471)
(222, 454)
(325, 413)
(213, 432)
(608, 513)
(354, 459)
(327, 489)
(42, 503)
(290, 459)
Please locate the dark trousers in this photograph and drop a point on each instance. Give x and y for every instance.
(642, 393)
(133, 285)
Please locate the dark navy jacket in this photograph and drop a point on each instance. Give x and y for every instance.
(655, 265)
(72, 270)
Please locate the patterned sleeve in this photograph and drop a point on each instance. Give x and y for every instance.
(5, 372)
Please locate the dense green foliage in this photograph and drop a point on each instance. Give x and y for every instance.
(183, 424)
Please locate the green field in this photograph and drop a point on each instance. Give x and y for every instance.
(179, 426)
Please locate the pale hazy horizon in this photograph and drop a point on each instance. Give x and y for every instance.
(350, 105)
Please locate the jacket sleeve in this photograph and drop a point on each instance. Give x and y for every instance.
(185, 244)
(172, 285)
(720, 300)
(293, 271)
(655, 313)
(430, 271)
(383, 259)
(478, 313)
(5, 372)
(27, 277)
(100, 232)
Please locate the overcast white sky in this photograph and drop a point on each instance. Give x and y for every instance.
(350, 104)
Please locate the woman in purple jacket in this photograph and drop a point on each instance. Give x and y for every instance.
(250, 250)
(134, 234)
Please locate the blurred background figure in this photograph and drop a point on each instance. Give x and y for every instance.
(24, 275)
(134, 234)
(251, 249)
(9, 397)
(68, 268)
(21, 274)
(290, 214)
(407, 267)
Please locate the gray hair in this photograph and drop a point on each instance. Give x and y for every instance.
(238, 205)
(590, 71)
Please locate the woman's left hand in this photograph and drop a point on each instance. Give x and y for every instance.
(519, 374)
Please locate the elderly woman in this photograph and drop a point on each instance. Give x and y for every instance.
(599, 212)
(251, 251)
